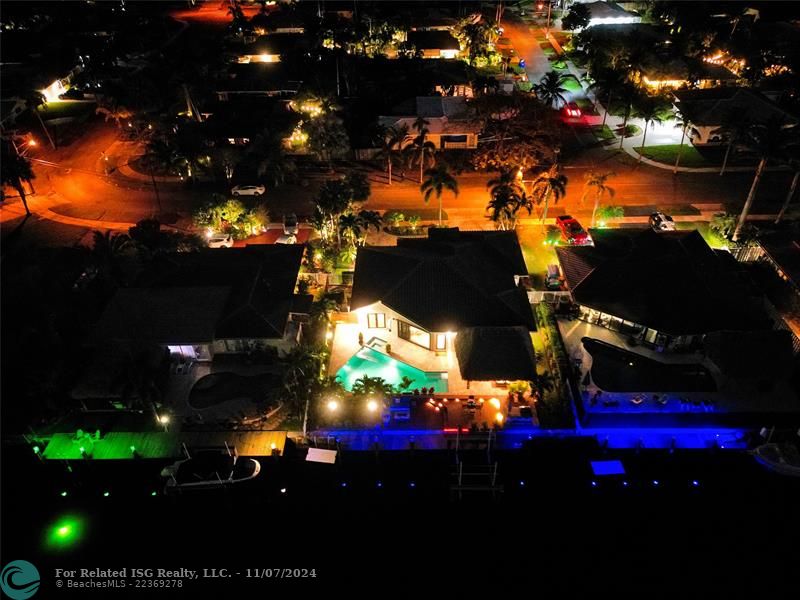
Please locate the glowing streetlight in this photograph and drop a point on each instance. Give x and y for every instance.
(372, 406)
(499, 418)
(333, 405)
(163, 419)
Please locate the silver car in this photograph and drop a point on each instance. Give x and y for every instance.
(248, 190)
(220, 240)
(661, 222)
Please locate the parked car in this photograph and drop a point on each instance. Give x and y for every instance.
(286, 239)
(552, 278)
(208, 469)
(572, 231)
(220, 240)
(248, 190)
(290, 225)
(661, 222)
(571, 113)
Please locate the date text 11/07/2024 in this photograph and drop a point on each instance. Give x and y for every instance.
(263, 573)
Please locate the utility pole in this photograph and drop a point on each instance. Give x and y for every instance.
(549, 8)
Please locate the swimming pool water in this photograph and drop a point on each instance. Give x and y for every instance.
(372, 363)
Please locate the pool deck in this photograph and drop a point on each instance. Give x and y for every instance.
(345, 345)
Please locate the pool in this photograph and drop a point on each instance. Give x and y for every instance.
(372, 363)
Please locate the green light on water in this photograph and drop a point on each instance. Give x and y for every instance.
(65, 532)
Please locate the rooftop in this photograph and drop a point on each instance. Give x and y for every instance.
(448, 281)
(670, 281)
(714, 104)
(495, 354)
(232, 293)
(433, 40)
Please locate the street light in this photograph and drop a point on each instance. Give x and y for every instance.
(372, 406)
(333, 405)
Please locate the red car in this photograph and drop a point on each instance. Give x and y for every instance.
(573, 231)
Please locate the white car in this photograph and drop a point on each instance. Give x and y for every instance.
(248, 190)
(286, 239)
(220, 240)
(661, 222)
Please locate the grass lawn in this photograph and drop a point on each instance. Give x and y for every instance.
(603, 133)
(690, 157)
(571, 84)
(63, 109)
(548, 49)
(558, 65)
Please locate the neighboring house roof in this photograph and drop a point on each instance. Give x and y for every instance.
(244, 117)
(607, 10)
(713, 105)
(186, 315)
(686, 68)
(784, 250)
(751, 354)
(193, 297)
(448, 281)
(495, 353)
(670, 281)
(441, 106)
(259, 77)
(277, 43)
(433, 40)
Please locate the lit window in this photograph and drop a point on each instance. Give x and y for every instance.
(376, 320)
(441, 341)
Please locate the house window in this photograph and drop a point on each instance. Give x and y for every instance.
(376, 320)
(441, 341)
(413, 334)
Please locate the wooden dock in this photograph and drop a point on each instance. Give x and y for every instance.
(160, 445)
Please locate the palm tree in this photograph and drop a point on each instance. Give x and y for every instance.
(391, 141)
(438, 179)
(507, 198)
(321, 309)
(367, 219)
(794, 164)
(500, 209)
(628, 94)
(769, 141)
(108, 249)
(686, 113)
(16, 170)
(607, 81)
(652, 109)
(733, 129)
(597, 181)
(350, 228)
(550, 89)
(372, 386)
(34, 100)
(549, 184)
(302, 366)
(423, 149)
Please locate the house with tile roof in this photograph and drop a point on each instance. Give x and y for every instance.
(451, 124)
(198, 304)
(448, 303)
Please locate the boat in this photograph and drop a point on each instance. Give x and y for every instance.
(208, 469)
(783, 459)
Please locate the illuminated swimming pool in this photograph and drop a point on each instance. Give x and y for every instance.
(372, 363)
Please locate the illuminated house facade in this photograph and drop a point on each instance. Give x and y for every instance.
(450, 126)
(449, 302)
(663, 290)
